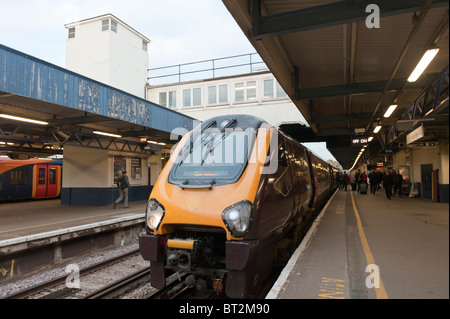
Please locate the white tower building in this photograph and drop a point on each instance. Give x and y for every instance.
(108, 50)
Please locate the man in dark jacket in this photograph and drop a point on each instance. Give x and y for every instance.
(373, 180)
(398, 181)
(387, 184)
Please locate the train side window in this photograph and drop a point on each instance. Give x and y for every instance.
(52, 176)
(41, 176)
(18, 177)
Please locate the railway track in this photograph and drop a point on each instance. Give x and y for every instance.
(56, 288)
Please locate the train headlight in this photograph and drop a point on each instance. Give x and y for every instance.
(238, 218)
(154, 214)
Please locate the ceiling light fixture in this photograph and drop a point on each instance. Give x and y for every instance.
(107, 134)
(377, 129)
(390, 110)
(23, 119)
(423, 64)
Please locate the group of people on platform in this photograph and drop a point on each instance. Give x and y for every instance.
(391, 181)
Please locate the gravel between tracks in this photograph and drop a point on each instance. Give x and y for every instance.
(13, 287)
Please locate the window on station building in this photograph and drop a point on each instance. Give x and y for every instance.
(268, 89)
(187, 97)
(212, 95)
(279, 90)
(273, 89)
(251, 90)
(172, 99)
(218, 94)
(163, 98)
(144, 45)
(245, 91)
(105, 25)
(192, 97)
(197, 97)
(71, 33)
(223, 93)
(114, 26)
(239, 94)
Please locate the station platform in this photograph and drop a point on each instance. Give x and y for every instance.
(21, 219)
(368, 247)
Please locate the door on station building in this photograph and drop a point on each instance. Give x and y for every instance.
(426, 172)
(41, 182)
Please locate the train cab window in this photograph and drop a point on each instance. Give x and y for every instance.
(41, 176)
(52, 176)
(18, 177)
(213, 157)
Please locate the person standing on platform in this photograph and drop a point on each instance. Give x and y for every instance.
(357, 179)
(344, 181)
(123, 184)
(387, 184)
(373, 180)
(398, 181)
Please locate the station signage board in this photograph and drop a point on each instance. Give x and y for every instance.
(415, 135)
(359, 140)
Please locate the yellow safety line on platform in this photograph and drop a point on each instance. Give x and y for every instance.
(381, 291)
(70, 220)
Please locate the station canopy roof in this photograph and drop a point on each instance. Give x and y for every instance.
(74, 109)
(343, 67)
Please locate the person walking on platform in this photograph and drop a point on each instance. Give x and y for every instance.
(398, 181)
(357, 179)
(387, 184)
(373, 180)
(123, 184)
(380, 179)
(344, 181)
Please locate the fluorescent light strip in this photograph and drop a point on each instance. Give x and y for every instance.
(153, 142)
(107, 134)
(423, 64)
(370, 139)
(377, 129)
(23, 119)
(390, 110)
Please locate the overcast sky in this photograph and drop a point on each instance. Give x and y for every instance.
(180, 31)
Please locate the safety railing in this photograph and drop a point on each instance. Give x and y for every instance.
(213, 68)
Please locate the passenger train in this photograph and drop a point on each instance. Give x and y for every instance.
(34, 178)
(235, 199)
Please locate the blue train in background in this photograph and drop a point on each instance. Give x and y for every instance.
(35, 178)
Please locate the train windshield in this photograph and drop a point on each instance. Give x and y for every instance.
(213, 157)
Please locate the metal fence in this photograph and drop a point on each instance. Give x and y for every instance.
(214, 68)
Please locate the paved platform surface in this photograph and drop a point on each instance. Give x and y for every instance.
(367, 247)
(33, 217)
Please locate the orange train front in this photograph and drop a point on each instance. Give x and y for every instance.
(233, 201)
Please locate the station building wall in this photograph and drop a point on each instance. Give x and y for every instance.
(88, 175)
(256, 94)
(437, 156)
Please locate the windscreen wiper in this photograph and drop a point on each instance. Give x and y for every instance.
(211, 146)
(186, 185)
(192, 139)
